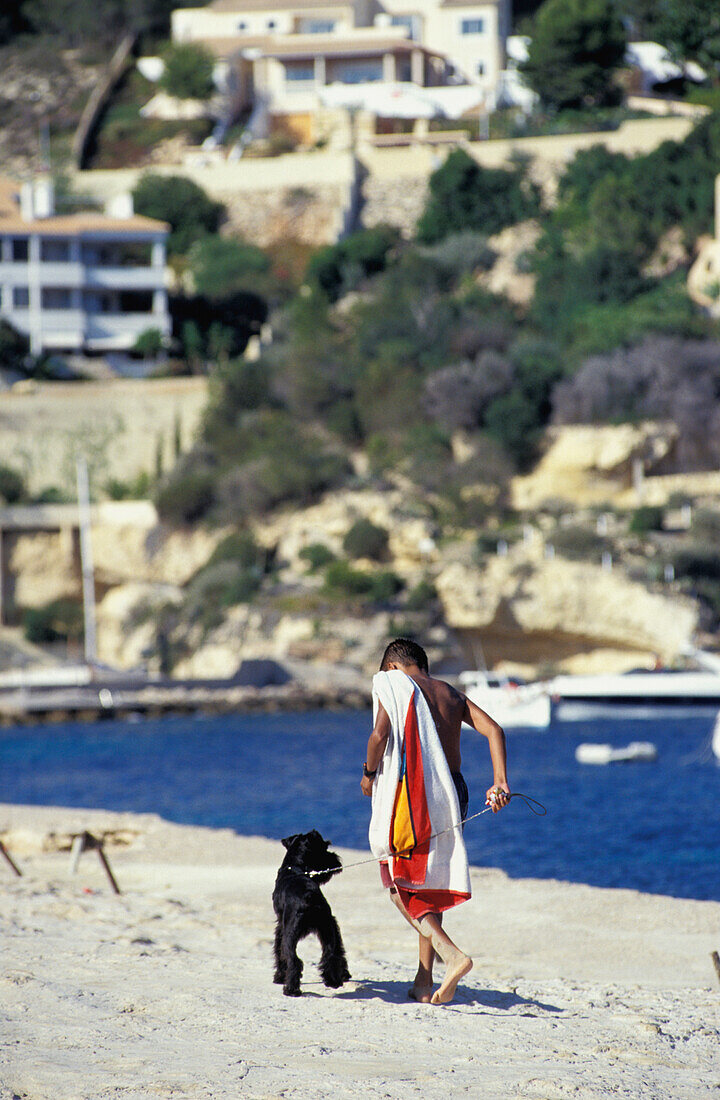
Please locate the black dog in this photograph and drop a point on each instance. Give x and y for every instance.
(301, 908)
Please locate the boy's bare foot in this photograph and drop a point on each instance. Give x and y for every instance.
(420, 993)
(458, 965)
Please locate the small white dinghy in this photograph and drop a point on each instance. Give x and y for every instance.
(716, 737)
(606, 754)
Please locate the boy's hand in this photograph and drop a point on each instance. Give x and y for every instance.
(497, 797)
(366, 786)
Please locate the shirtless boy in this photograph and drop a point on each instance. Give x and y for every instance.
(449, 708)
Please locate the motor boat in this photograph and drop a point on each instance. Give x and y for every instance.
(576, 696)
(605, 754)
(508, 699)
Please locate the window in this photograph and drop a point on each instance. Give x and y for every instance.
(296, 73)
(270, 24)
(356, 72)
(135, 301)
(20, 297)
(472, 26)
(20, 250)
(316, 26)
(480, 68)
(54, 252)
(242, 25)
(56, 297)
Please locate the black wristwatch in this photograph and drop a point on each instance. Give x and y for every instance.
(367, 773)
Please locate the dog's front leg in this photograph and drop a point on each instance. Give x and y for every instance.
(333, 965)
(293, 965)
(280, 966)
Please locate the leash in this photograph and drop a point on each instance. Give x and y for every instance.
(531, 803)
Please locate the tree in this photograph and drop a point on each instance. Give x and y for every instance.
(14, 349)
(223, 265)
(691, 31)
(188, 71)
(190, 213)
(576, 47)
(465, 196)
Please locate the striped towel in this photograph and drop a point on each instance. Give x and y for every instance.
(413, 798)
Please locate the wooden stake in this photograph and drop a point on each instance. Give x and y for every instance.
(716, 961)
(78, 847)
(85, 842)
(106, 865)
(6, 855)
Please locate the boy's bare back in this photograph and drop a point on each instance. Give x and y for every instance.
(450, 708)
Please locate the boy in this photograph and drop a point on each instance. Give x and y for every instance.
(449, 709)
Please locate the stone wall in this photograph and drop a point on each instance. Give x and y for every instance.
(309, 214)
(398, 202)
(118, 426)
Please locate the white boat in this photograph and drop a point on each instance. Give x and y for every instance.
(716, 737)
(510, 701)
(574, 696)
(589, 753)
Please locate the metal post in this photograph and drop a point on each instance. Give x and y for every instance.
(86, 561)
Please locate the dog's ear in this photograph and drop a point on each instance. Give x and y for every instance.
(317, 838)
(288, 841)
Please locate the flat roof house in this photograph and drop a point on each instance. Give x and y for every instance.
(85, 282)
(286, 51)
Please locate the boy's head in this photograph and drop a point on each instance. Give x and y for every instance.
(404, 652)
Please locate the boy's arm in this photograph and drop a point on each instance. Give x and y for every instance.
(376, 747)
(499, 794)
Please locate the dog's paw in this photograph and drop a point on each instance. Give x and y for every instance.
(292, 991)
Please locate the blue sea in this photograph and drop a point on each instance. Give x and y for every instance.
(645, 826)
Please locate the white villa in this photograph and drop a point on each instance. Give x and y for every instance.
(289, 55)
(85, 282)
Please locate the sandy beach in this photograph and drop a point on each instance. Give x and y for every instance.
(166, 990)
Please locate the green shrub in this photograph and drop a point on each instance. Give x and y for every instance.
(149, 343)
(697, 563)
(12, 485)
(645, 519)
(336, 268)
(190, 213)
(706, 526)
(239, 547)
(465, 196)
(188, 71)
(14, 349)
(342, 579)
(57, 621)
(217, 587)
(366, 540)
(138, 488)
(186, 496)
(317, 555)
(578, 543)
(576, 47)
(51, 494)
(222, 265)
(421, 596)
(385, 585)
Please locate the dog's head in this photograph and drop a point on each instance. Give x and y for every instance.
(310, 852)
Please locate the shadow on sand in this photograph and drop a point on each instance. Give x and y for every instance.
(500, 1000)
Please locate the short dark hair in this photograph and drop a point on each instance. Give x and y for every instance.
(405, 652)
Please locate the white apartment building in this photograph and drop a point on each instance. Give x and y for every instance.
(286, 51)
(85, 282)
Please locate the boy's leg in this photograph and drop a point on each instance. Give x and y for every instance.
(457, 963)
(421, 989)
